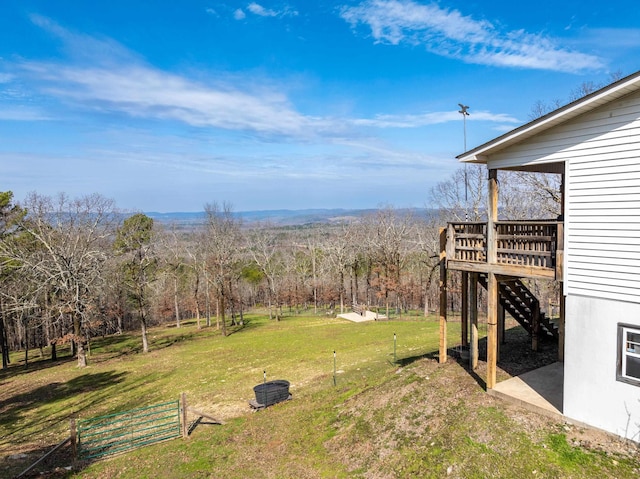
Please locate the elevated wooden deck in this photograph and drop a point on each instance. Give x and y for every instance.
(532, 249)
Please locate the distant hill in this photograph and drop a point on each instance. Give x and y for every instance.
(282, 217)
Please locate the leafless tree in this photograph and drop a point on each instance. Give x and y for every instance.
(541, 108)
(462, 197)
(266, 253)
(67, 247)
(222, 242)
(174, 254)
(387, 235)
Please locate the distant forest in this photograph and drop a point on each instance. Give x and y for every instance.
(75, 268)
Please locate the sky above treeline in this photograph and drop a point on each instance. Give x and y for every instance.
(167, 106)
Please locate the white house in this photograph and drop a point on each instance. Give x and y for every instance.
(594, 143)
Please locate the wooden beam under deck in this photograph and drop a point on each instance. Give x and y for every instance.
(502, 269)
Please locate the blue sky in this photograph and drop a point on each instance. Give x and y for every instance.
(167, 106)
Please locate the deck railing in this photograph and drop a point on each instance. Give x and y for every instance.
(526, 244)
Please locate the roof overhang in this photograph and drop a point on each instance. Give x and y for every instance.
(583, 105)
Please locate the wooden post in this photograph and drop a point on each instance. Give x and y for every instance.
(501, 318)
(442, 358)
(492, 281)
(560, 274)
(73, 437)
(464, 314)
(185, 426)
(535, 325)
(561, 327)
(473, 302)
(492, 329)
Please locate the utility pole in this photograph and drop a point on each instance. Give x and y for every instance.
(465, 114)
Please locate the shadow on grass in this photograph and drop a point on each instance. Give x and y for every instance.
(18, 368)
(402, 362)
(55, 466)
(17, 410)
(515, 354)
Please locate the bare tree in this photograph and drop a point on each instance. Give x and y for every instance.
(541, 108)
(342, 255)
(67, 246)
(222, 242)
(387, 235)
(174, 258)
(266, 253)
(462, 197)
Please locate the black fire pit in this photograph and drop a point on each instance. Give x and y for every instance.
(270, 393)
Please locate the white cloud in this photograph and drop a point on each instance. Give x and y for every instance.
(6, 77)
(211, 11)
(22, 114)
(145, 92)
(449, 33)
(433, 118)
(116, 81)
(260, 10)
(239, 14)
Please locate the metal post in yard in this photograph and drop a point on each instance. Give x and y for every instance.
(394, 349)
(264, 389)
(334, 368)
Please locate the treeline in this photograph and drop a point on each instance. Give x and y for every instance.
(72, 269)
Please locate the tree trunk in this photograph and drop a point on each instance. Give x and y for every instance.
(175, 300)
(82, 354)
(143, 327)
(3, 343)
(222, 316)
(196, 299)
(217, 314)
(26, 346)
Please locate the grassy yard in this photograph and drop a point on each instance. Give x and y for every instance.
(411, 418)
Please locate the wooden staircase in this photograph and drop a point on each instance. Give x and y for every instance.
(522, 305)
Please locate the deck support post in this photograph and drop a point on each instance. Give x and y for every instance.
(561, 327)
(492, 329)
(442, 357)
(492, 280)
(535, 326)
(464, 314)
(473, 313)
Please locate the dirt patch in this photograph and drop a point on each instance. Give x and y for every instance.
(440, 414)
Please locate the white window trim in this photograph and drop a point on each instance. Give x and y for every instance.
(624, 352)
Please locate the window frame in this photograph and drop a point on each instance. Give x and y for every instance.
(621, 374)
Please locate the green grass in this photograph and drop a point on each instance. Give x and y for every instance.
(414, 418)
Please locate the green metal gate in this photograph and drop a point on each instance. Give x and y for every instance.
(114, 433)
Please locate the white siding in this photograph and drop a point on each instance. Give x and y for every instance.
(591, 392)
(603, 209)
(601, 152)
(611, 132)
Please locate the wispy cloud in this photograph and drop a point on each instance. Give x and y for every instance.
(105, 77)
(23, 114)
(449, 33)
(431, 118)
(257, 9)
(145, 92)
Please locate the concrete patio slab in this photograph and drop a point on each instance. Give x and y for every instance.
(539, 390)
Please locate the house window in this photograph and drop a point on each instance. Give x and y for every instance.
(629, 354)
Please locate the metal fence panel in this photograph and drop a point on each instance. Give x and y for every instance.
(114, 433)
